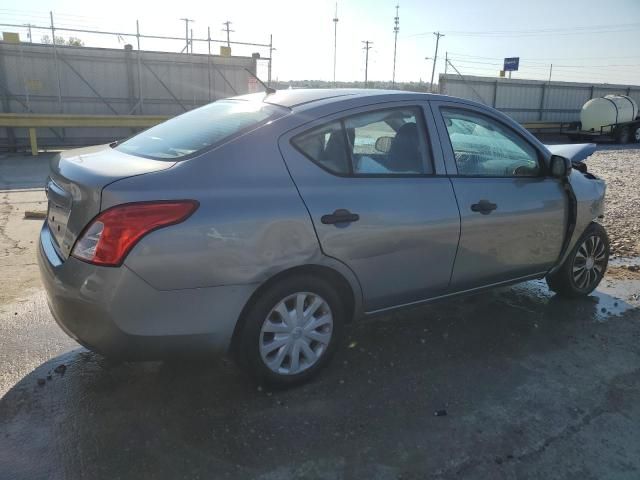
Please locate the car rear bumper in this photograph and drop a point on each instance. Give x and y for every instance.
(114, 312)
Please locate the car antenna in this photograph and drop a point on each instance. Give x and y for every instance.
(267, 89)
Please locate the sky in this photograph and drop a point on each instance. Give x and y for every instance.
(586, 41)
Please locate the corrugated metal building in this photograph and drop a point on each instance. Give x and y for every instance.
(98, 81)
(532, 100)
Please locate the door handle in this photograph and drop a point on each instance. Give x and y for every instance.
(340, 216)
(485, 207)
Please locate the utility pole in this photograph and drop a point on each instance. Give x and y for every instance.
(191, 31)
(367, 46)
(446, 61)
(335, 43)
(396, 29)
(228, 30)
(435, 57)
(28, 25)
(550, 71)
(186, 33)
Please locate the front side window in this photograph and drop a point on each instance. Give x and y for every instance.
(384, 142)
(484, 147)
(198, 129)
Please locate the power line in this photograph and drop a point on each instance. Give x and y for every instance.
(544, 66)
(578, 30)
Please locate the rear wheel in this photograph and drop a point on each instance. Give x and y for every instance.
(623, 135)
(291, 331)
(636, 133)
(585, 266)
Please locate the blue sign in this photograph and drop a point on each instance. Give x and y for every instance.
(511, 64)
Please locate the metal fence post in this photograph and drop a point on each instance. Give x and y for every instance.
(56, 64)
(193, 77)
(131, 89)
(495, 94)
(209, 59)
(270, 57)
(542, 98)
(140, 97)
(6, 103)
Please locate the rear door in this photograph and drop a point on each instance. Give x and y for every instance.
(379, 200)
(513, 215)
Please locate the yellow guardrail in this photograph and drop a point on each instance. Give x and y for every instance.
(33, 121)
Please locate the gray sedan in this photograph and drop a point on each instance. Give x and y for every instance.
(260, 225)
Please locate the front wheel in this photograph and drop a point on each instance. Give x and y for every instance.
(585, 266)
(636, 133)
(292, 330)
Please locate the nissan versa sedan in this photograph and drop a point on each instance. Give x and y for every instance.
(260, 225)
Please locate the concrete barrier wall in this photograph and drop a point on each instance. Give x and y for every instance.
(532, 100)
(83, 80)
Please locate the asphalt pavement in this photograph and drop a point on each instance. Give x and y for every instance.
(513, 383)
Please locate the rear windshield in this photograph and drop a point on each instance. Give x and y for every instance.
(199, 129)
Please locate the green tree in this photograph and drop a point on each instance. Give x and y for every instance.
(72, 41)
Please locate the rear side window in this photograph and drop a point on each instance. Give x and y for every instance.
(199, 129)
(383, 142)
(325, 146)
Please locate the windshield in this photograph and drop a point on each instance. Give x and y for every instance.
(199, 129)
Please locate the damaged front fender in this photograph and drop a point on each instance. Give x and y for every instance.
(586, 205)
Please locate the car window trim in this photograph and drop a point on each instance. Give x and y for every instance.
(543, 173)
(351, 173)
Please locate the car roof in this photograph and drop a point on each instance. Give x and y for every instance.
(294, 98)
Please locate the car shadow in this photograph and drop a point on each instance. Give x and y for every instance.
(375, 412)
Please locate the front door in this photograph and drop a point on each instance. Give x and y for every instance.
(513, 215)
(369, 180)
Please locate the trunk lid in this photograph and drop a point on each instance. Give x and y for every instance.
(75, 183)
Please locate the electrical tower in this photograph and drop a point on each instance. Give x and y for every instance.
(228, 30)
(186, 33)
(366, 48)
(335, 43)
(396, 29)
(435, 58)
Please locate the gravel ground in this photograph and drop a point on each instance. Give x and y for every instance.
(620, 167)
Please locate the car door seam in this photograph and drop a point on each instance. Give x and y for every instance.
(313, 225)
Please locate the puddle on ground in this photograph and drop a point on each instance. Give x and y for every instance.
(624, 261)
(612, 298)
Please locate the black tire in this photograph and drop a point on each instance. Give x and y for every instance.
(248, 348)
(623, 135)
(563, 281)
(636, 133)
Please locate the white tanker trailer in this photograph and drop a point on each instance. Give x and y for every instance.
(611, 117)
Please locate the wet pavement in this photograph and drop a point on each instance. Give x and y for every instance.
(513, 383)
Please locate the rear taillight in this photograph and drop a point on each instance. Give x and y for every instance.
(113, 233)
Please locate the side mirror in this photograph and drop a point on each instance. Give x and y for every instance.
(560, 166)
(383, 144)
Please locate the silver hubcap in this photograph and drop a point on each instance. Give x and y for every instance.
(296, 333)
(589, 263)
(636, 134)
